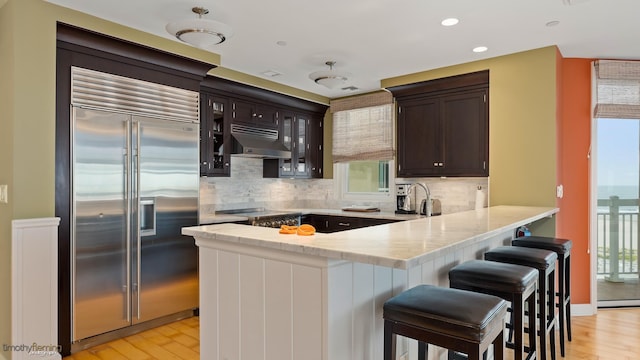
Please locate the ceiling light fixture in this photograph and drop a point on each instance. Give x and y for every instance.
(328, 78)
(200, 32)
(480, 49)
(449, 22)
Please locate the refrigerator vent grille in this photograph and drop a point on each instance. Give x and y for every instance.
(98, 90)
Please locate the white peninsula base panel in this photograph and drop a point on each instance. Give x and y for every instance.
(264, 303)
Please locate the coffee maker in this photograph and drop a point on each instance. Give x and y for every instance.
(402, 198)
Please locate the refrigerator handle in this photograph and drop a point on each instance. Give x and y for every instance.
(128, 197)
(138, 232)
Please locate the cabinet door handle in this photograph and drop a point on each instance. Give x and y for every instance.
(435, 164)
(440, 164)
(226, 164)
(259, 116)
(344, 224)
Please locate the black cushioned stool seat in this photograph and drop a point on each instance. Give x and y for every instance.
(514, 283)
(545, 262)
(459, 320)
(562, 247)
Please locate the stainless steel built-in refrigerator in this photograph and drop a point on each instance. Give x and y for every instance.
(135, 185)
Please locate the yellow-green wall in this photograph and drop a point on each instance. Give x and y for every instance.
(6, 165)
(522, 113)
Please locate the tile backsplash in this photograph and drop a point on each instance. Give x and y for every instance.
(246, 188)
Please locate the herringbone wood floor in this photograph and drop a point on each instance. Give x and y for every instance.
(613, 334)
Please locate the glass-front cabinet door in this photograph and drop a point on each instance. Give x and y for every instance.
(286, 165)
(294, 137)
(301, 146)
(214, 136)
(217, 115)
(302, 135)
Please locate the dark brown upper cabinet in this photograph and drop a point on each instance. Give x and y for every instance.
(299, 124)
(443, 127)
(254, 113)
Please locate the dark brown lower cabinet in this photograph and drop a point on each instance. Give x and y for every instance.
(334, 223)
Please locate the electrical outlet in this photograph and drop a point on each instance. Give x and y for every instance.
(559, 191)
(4, 194)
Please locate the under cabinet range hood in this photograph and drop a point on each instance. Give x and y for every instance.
(257, 142)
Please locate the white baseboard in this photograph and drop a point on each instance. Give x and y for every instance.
(583, 310)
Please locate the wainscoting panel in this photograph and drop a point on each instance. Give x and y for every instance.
(34, 289)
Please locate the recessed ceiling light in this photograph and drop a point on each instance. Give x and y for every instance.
(281, 43)
(449, 22)
(271, 73)
(573, 2)
(552, 23)
(480, 49)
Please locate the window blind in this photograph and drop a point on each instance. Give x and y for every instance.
(617, 89)
(363, 134)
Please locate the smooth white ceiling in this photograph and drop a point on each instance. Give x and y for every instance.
(378, 39)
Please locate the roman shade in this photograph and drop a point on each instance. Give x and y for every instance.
(617, 89)
(363, 127)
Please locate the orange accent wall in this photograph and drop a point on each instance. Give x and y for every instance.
(574, 139)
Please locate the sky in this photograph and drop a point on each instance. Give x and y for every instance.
(618, 152)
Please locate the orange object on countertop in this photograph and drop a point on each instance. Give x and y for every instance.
(306, 230)
(287, 229)
(303, 230)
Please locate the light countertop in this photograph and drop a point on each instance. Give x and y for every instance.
(399, 245)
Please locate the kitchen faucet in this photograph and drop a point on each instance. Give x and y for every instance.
(427, 200)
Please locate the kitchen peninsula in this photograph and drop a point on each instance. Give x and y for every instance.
(264, 295)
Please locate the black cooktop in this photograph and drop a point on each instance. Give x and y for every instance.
(259, 213)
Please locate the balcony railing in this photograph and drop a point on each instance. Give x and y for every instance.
(618, 238)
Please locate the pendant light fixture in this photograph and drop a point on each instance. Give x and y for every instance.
(200, 32)
(328, 78)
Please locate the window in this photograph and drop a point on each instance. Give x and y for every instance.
(364, 180)
(368, 176)
(617, 179)
(363, 146)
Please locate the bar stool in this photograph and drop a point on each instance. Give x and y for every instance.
(545, 262)
(562, 247)
(458, 320)
(514, 283)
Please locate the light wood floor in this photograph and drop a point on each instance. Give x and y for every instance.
(179, 340)
(613, 334)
